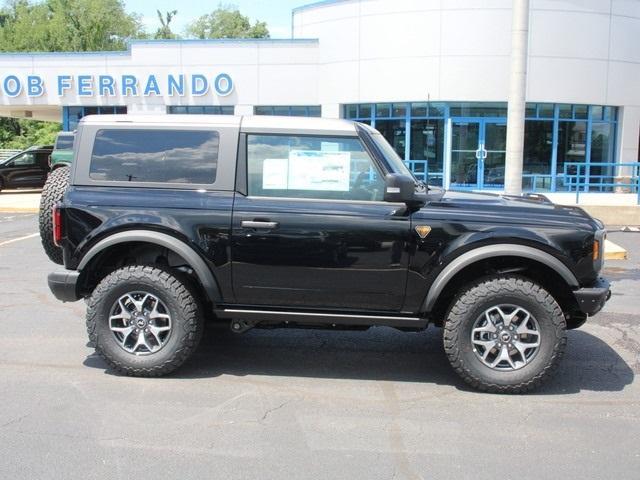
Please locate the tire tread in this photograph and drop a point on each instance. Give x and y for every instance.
(191, 312)
(460, 309)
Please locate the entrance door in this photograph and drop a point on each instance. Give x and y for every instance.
(478, 149)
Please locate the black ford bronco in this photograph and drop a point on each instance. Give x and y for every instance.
(169, 222)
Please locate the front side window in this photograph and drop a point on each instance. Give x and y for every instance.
(158, 156)
(332, 168)
(25, 160)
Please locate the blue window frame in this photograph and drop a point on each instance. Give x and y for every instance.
(288, 110)
(201, 109)
(72, 115)
(555, 135)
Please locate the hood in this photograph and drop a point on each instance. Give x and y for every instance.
(527, 209)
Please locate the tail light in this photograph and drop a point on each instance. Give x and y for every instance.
(56, 216)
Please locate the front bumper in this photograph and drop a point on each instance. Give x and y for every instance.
(63, 284)
(592, 299)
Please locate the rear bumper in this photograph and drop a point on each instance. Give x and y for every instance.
(591, 299)
(63, 285)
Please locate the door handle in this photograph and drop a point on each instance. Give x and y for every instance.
(259, 224)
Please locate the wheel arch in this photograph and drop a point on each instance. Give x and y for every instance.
(553, 269)
(202, 272)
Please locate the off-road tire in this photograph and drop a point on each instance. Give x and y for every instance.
(477, 298)
(183, 306)
(52, 193)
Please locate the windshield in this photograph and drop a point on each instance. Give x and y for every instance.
(390, 154)
(64, 142)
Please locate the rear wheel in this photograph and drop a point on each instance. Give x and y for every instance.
(52, 193)
(144, 321)
(505, 334)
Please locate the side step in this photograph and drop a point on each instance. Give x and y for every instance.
(257, 316)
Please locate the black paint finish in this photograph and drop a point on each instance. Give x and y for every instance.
(360, 256)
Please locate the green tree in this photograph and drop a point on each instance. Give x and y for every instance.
(164, 32)
(22, 133)
(59, 25)
(226, 22)
(67, 25)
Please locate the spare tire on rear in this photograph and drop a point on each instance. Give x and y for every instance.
(52, 193)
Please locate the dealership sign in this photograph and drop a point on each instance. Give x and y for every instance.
(110, 85)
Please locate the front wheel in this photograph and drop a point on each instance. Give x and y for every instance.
(504, 334)
(144, 321)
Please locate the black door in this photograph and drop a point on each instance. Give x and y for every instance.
(25, 171)
(313, 230)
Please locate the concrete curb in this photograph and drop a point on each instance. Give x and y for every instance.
(19, 210)
(613, 251)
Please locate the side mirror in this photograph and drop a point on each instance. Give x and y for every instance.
(399, 188)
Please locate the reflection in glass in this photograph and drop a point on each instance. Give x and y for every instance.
(329, 168)
(161, 156)
(538, 147)
(395, 133)
(601, 151)
(427, 143)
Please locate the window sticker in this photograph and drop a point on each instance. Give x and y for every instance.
(314, 170)
(275, 173)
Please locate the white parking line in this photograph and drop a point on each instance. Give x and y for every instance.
(18, 239)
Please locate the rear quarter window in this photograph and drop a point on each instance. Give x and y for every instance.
(155, 156)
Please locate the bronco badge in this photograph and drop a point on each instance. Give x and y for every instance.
(423, 230)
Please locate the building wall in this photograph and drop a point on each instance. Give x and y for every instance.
(359, 51)
(580, 52)
(266, 72)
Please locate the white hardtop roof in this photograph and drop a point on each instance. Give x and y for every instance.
(254, 123)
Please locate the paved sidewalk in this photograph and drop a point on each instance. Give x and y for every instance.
(19, 201)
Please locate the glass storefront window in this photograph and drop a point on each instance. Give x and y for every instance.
(364, 111)
(427, 143)
(580, 112)
(596, 113)
(297, 110)
(383, 110)
(572, 137)
(478, 109)
(72, 115)
(538, 151)
(399, 110)
(546, 123)
(601, 151)
(419, 109)
(437, 110)
(545, 110)
(395, 133)
(565, 111)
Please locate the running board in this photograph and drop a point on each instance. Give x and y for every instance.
(258, 316)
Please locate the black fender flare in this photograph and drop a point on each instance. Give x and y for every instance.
(203, 272)
(497, 250)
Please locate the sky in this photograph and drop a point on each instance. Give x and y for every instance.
(277, 13)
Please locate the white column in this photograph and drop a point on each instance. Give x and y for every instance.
(517, 100)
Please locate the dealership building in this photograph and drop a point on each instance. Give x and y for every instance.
(431, 75)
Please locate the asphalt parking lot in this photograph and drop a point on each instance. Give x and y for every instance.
(304, 404)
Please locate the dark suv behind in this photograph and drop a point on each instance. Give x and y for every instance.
(28, 169)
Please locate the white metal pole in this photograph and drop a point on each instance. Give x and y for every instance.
(517, 100)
